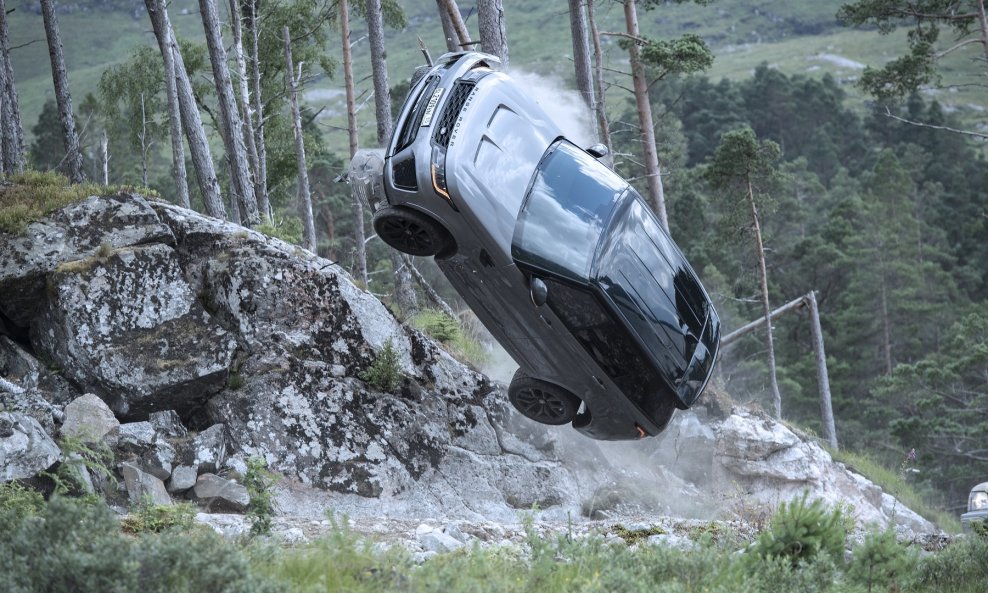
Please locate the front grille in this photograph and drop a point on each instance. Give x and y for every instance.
(444, 127)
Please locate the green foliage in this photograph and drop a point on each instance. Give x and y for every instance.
(148, 517)
(18, 502)
(260, 510)
(447, 330)
(880, 563)
(35, 194)
(385, 372)
(961, 568)
(801, 531)
(687, 55)
(288, 228)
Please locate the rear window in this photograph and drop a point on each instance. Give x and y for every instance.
(571, 198)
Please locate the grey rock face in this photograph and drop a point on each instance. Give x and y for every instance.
(183, 478)
(168, 423)
(28, 373)
(209, 449)
(146, 448)
(129, 328)
(73, 233)
(90, 420)
(25, 448)
(141, 485)
(221, 494)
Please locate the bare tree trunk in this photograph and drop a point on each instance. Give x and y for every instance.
(202, 159)
(145, 144)
(581, 51)
(245, 106)
(822, 375)
(104, 155)
(10, 125)
(983, 25)
(305, 198)
(449, 30)
(649, 151)
(229, 114)
(427, 288)
(359, 236)
(261, 174)
(599, 105)
(886, 323)
(174, 121)
(453, 11)
(73, 156)
(404, 293)
(763, 278)
(493, 35)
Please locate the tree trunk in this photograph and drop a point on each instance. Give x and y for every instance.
(247, 119)
(983, 25)
(10, 126)
(229, 114)
(359, 236)
(886, 323)
(600, 104)
(305, 198)
(822, 375)
(493, 35)
(202, 159)
(453, 11)
(261, 174)
(449, 30)
(104, 158)
(427, 288)
(174, 121)
(763, 278)
(649, 151)
(581, 51)
(404, 293)
(73, 156)
(145, 144)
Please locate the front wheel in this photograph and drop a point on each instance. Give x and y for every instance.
(411, 232)
(542, 401)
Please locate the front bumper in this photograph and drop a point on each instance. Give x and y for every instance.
(973, 517)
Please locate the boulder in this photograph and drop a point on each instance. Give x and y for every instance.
(146, 448)
(30, 374)
(25, 447)
(126, 325)
(168, 423)
(143, 486)
(208, 449)
(221, 494)
(73, 233)
(90, 420)
(183, 478)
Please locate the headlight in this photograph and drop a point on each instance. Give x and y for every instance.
(438, 167)
(978, 501)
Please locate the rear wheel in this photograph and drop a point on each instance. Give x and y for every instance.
(542, 401)
(411, 232)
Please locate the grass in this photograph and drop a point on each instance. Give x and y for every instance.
(34, 194)
(893, 481)
(447, 330)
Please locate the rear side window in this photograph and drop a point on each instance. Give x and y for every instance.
(610, 345)
(571, 198)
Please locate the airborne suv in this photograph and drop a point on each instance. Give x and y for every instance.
(558, 256)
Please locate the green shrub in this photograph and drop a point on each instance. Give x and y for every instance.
(258, 481)
(801, 530)
(962, 567)
(385, 372)
(147, 517)
(880, 563)
(443, 328)
(97, 458)
(18, 502)
(288, 229)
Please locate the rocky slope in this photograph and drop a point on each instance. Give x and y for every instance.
(189, 345)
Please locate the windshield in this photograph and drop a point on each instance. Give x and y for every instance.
(565, 211)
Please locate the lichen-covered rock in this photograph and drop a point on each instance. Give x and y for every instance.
(72, 233)
(208, 449)
(167, 423)
(129, 328)
(142, 486)
(221, 494)
(25, 447)
(183, 478)
(140, 443)
(27, 372)
(90, 420)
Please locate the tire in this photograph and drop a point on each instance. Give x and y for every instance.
(541, 401)
(411, 232)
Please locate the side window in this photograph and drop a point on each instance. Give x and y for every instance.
(607, 341)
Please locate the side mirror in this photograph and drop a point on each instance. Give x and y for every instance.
(598, 150)
(538, 291)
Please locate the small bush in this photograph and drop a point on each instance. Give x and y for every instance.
(880, 563)
(801, 530)
(148, 517)
(440, 326)
(962, 567)
(288, 229)
(18, 502)
(385, 372)
(258, 481)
